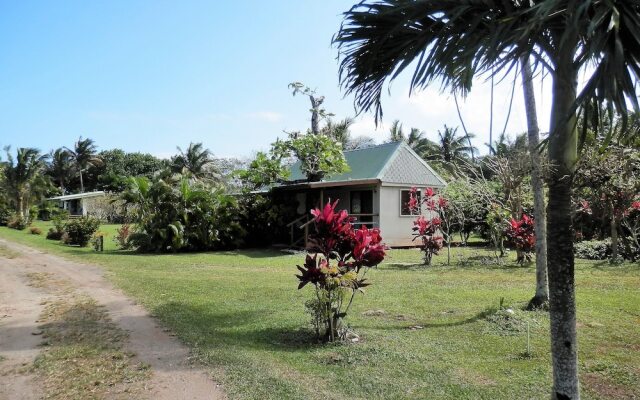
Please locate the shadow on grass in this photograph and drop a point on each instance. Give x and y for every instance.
(250, 329)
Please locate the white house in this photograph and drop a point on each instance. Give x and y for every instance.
(78, 204)
(375, 191)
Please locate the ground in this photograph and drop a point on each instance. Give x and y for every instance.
(438, 332)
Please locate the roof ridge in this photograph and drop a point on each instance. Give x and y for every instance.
(374, 147)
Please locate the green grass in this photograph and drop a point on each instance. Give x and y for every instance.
(241, 314)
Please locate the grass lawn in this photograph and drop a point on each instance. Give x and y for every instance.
(426, 332)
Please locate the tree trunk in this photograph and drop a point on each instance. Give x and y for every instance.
(614, 234)
(21, 205)
(541, 297)
(81, 183)
(315, 113)
(560, 260)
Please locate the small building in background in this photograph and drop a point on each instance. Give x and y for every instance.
(79, 204)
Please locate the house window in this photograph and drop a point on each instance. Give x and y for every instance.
(405, 195)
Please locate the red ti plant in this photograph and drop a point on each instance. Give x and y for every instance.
(337, 261)
(428, 229)
(521, 233)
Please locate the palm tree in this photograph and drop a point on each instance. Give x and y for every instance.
(339, 131)
(416, 139)
(454, 148)
(450, 42)
(84, 155)
(60, 167)
(395, 132)
(23, 178)
(196, 161)
(541, 297)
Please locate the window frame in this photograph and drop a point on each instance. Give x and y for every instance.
(402, 206)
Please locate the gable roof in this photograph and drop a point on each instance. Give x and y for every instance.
(393, 163)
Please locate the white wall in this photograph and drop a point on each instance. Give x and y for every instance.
(396, 229)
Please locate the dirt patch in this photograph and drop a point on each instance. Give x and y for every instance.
(132, 338)
(5, 252)
(472, 377)
(604, 388)
(83, 354)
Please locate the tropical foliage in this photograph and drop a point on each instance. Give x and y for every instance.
(427, 228)
(179, 214)
(22, 180)
(339, 257)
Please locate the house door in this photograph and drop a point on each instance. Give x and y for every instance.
(362, 203)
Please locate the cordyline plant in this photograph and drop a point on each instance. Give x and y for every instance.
(339, 257)
(521, 233)
(428, 229)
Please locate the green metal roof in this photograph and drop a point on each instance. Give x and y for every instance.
(363, 163)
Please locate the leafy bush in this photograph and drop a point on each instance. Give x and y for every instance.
(265, 218)
(34, 230)
(319, 155)
(59, 219)
(80, 231)
(427, 229)
(341, 257)
(122, 237)
(593, 249)
(5, 213)
(16, 221)
(522, 235)
(181, 215)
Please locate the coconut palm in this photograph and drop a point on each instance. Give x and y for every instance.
(449, 42)
(196, 161)
(416, 139)
(339, 131)
(453, 148)
(395, 132)
(541, 296)
(23, 177)
(84, 155)
(60, 167)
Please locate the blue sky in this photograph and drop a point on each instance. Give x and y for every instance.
(151, 75)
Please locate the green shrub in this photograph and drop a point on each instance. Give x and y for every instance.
(80, 231)
(16, 221)
(593, 249)
(177, 214)
(5, 214)
(59, 219)
(34, 230)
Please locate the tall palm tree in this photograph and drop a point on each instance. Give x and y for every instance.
(416, 139)
(541, 297)
(60, 167)
(450, 42)
(419, 143)
(196, 161)
(395, 132)
(23, 178)
(84, 155)
(454, 148)
(339, 131)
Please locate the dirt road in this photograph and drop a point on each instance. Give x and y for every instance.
(172, 376)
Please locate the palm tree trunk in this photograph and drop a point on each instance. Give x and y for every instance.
(81, 183)
(21, 205)
(614, 233)
(541, 297)
(560, 260)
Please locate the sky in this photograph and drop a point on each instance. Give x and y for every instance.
(152, 75)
